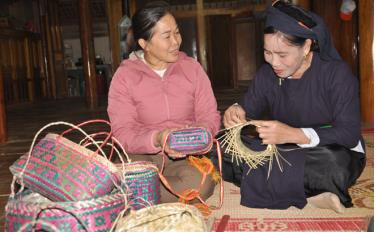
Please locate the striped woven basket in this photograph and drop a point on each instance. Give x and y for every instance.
(62, 170)
(25, 209)
(142, 180)
(52, 169)
(192, 141)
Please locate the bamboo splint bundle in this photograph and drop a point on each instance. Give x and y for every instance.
(234, 146)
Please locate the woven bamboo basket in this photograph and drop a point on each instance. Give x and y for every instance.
(96, 214)
(34, 205)
(142, 180)
(164, 217)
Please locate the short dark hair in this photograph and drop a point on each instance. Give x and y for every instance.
(144, 20)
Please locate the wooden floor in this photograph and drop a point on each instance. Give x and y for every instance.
(24, 120)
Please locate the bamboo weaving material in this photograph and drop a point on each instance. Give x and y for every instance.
(234, 146)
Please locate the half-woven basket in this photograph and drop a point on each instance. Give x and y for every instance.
(234, 146)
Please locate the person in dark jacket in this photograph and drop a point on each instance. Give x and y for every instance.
(312, 100)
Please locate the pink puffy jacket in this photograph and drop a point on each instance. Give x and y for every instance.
(141, 103)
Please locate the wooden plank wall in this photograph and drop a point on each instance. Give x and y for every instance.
(353, 40)
(21, 62)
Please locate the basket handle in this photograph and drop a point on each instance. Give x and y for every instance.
(87, 123)
(37, 219)
(85, 143)
(194, 193)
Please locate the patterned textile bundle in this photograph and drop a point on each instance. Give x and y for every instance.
(27, 209)
(65, 171)
(164, 217)
(142, 179)
(192, 140)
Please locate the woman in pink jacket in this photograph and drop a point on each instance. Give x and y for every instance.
(157, 90)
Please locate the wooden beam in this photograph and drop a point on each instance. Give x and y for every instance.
(88, 53)
(201, 31)
(132, 7)
(366, 65)
(29, 69)
(114, 12)
(13, 65)
(3, 120)
(47, 37)
(45, 58)
(221, 11)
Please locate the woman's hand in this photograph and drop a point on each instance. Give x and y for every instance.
(234, 115)
(160, 139)
(275, 132)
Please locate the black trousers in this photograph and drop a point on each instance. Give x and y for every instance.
(331, 168)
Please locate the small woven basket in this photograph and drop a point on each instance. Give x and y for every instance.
(191, 140)
(142, 180)
(95, 214)
(164, 217)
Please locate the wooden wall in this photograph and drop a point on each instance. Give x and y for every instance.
(353, 40)
(21, 61)
(344, 33)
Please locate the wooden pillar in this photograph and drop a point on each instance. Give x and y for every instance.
(88, 53)
(3, 121)
(114, 12)
(29, 69)
(47, 49)
(366, 65)
(132, 7)
(233, 53)
(13, 64)
(57, 48)
(42, 68)
(201, 31)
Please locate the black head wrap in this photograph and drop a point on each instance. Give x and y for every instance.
(285, 18)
